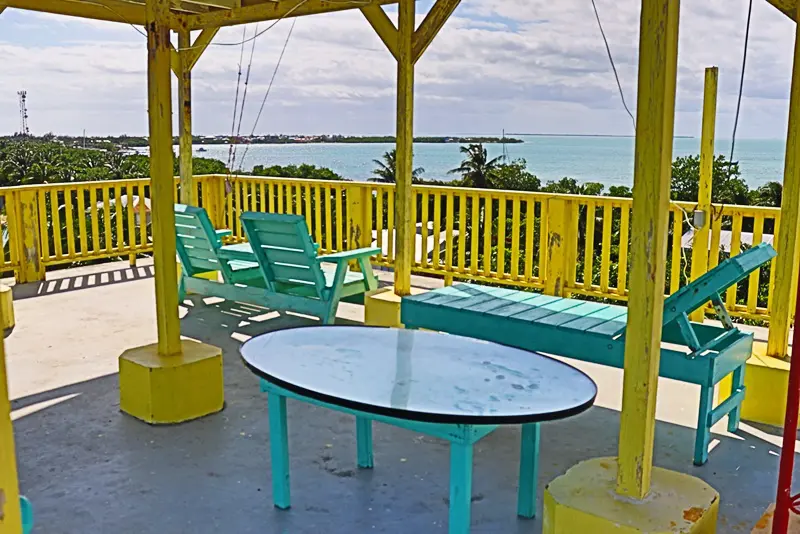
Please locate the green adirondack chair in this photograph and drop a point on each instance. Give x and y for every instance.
(279, 268)
(696, 353)
(294, 276)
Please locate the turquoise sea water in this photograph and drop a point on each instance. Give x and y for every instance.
(608, 160)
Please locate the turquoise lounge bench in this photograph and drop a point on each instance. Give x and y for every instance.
(594, 332)
(279, 268)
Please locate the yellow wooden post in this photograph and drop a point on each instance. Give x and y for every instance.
(187, 191)
(162, 186)
(405, 148)
(359, 221)
(10, 513)
(658, 57)
(24, 215)
(786, 264)
(558, 244)
(700, 251)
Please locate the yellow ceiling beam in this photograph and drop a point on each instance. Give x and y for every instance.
(191, 55)
(787, 7)
(260, 10)
(431, 25)
(188, 7)
(224, 4)
(108, 10)
(382, 25)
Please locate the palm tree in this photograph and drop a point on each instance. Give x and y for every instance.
(386, 170)
(477, 168)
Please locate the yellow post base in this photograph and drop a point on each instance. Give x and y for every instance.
(764, 525)
(584, 500)
(7, 309)
(382, 308)
(766, 381)
(171, 389)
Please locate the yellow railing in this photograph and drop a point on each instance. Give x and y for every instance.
(489, 236)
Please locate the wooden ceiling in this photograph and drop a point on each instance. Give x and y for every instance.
(194, 14)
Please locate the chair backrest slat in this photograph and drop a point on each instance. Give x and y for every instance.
(284, 249)
(196, 242)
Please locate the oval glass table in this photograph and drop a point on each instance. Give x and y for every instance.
(452, 387)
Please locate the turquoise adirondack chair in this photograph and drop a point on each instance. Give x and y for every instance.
(198, 245)
(695, 353)
(294, 276)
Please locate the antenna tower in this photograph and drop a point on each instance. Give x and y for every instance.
(23, 113)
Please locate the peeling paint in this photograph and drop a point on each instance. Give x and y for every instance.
(693, 514)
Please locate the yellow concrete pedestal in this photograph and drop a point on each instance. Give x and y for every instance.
(584, 500)
(764, 525)
(7, 309)
(766, 382)
(382, 308)
(171, 389)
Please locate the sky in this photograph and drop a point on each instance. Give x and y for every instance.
(526, 66)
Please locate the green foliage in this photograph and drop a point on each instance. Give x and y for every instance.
(204, 166)
(514, 176)
(386, 169)
(304, 170)
(727, 185)
(571, 186)
(476, 169)
(769, 194)
(619, 191)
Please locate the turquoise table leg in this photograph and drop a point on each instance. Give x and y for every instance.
(279, 449)
(460, 487)
(528, 471)
(364, 440)
(736, 413)
(703, 436)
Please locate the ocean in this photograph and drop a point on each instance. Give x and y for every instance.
(608, 160)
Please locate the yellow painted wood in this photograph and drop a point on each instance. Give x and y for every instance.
(752, 284)
(68, 222)
(515, 237)
(390, 227)
(193, 54)
(93, 214)
(462, 232)
(273, 11)
(530, 230)
(543, 217)
(488, 211)
(431, 25)
(142, 217)
(786, 263)
(131, 218)
(736, 248)
(448, 234)
(306, 192)
(118, 215)
(109, 10)
(326, 199)
(55, 213)
(81, 198)
(605, 254)
(437, 231)
(382, 25)
(27, 221)
(772, 270)
(700, 252)
(10, 513)
(677, 260)
(106, 219)
(414, 222)
(379, 211)
(425, 231)
(572, 246)
(405, 145)
(559, 211)
(658, 57)
(501, 236)
(475, 204)
(187, 188)
(787, 7)
(339, 220)
(716, 234)
(588, 252)
(162, 186)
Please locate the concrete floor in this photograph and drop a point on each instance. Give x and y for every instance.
(90, 469)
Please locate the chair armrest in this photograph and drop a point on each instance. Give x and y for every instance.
(348, 255)
(224, 232)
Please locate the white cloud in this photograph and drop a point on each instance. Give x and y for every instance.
(522, 65)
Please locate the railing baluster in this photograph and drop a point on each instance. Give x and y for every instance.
(515, 229)
(677, 234)
(317, 214)
(448, 234)
(414, 222)
(307, 196)
(340, 219)
(424, 250)
(55, 209)
(530, 230)
(716, 234)
(437, 229)
(379, 221)
(488, 208)
(736, 248)
(543, 245)
(44, 232)
(776, 227)
(475, 203)
(81, 194)
(462, 231)
(142, 216)
(622, 268)
(107, 218)
(501, 236)
(118, 207)
(752, 282)
(390, 223)
(605, 255)
(94, 219)
(588, 252)
(131, 217)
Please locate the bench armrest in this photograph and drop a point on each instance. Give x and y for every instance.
(348, 255)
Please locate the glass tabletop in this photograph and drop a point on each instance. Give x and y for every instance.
(419, 375)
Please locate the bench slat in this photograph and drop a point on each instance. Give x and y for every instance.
(580, 311)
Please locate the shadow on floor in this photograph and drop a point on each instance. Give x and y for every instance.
(89, 468)
(82, 281)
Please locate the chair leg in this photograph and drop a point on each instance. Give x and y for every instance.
(279, 450)
(703, 436)
(528, 471)
(364, 442)
(181, 290)
(737, 384)
(460, 487)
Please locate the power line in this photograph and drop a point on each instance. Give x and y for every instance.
(741, 86)
(613, 66)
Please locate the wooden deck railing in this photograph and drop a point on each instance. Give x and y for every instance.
(488, 236)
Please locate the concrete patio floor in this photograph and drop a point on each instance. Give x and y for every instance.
(90, 469)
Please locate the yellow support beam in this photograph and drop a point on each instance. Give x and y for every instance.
(273, 10)
(10, 512)
(187, 189)
(198, 47)
(382, 25)
(162, 185)
(658, 58)
(700, 251)
(786, 264)
(430, 26)
(405, 148)
(108, 10)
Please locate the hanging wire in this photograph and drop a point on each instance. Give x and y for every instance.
(613, 66)
(244, 101)
(269, 87)
(236, 103)
(741, 87)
